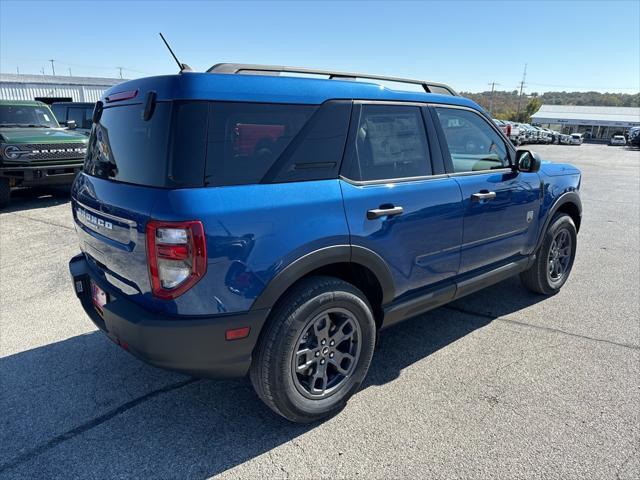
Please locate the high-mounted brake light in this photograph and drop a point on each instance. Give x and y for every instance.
(177, 253)
(119, 96)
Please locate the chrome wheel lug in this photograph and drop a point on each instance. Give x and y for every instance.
(323, 342)
(322, 362)
(332, 343)
(317, 354)
(331, 355)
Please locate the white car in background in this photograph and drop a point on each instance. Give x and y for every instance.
(576, 139)
(618, 140)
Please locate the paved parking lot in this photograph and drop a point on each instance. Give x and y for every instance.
(501, 384)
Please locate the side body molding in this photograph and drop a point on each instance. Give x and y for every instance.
(321, 258)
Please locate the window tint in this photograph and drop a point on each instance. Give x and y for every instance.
(125, 148)
(390, 142)
(77, 114)
(245, 139)
(27, 115)
(188, 143)
(316, 153)
(473, 144)
(60, 112)
(196, 143)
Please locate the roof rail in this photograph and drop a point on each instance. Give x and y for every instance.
(234, 68)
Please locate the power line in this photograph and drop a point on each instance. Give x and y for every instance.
(582, 86)
(83, 65)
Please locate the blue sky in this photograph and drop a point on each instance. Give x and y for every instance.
(570, 45)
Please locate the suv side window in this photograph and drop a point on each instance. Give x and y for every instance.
(77, 114)
(245, 139)
(473, 144)
(390, 143)
(60, 112)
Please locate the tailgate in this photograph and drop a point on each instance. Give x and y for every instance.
(110, 219)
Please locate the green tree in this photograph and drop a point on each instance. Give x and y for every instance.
(532, 107)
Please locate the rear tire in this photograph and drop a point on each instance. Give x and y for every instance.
(315, 349)
(5, 192)
(555, 257)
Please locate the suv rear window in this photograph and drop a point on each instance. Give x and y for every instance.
(196, 143)
(126, 148)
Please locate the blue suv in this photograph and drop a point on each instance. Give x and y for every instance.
(250, 220)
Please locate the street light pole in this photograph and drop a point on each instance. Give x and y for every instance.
(53, 68)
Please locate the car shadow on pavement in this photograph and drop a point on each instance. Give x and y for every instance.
(82, 407)
(35, 198)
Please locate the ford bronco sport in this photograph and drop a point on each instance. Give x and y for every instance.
(270, 224)
(34, 150)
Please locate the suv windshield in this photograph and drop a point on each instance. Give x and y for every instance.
(27, 116)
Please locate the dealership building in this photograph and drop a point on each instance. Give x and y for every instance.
(50, 88)
(596, 123)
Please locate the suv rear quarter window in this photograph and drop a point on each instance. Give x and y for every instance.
(245, 139)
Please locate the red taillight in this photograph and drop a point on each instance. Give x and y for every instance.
(177, 253)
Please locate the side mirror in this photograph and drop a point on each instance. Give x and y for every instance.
(527, 161)
(71, 125)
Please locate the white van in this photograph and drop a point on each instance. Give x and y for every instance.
(576, 139)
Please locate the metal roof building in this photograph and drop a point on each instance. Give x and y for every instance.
(598, 123)
(49, 88)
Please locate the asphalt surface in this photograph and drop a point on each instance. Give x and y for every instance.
(501, 384)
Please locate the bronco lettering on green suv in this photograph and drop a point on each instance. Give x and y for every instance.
(34, 149)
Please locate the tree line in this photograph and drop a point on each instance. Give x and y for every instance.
(509, 105)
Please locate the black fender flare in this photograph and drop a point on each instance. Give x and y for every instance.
(321, 258)
(567, 197)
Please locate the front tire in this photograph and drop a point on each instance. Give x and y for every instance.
(315, 350)
(555, 257)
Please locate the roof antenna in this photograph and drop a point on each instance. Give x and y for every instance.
(183, 66)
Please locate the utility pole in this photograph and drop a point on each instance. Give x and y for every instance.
(42, 70)
(120, 68)
(53, 68)
(70, 72)
(524, 76)
(493, 86)
(18, 69)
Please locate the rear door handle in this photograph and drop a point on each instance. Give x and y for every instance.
(483, 195)
(384, 211)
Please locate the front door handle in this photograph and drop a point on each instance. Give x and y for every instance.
(384, 211)
(483, 195)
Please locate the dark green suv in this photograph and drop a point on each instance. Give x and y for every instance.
(34, 149)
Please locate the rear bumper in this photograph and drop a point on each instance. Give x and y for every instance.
(29, 176)
(192, 345)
